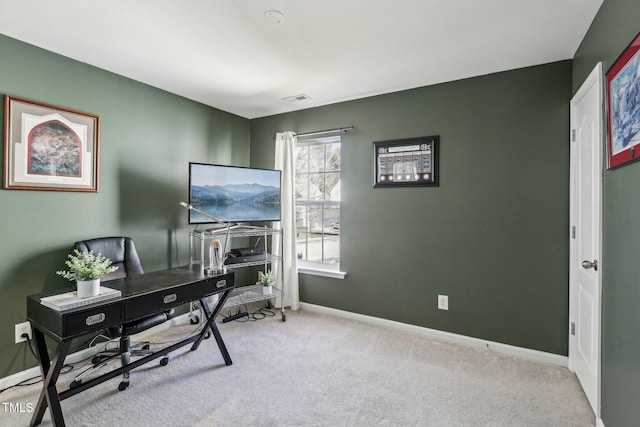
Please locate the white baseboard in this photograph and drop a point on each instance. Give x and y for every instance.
(599, 423)
(72, 358)
(525, 353)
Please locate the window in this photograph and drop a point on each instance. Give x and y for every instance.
(318, 203)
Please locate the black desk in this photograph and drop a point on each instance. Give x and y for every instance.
(142, 295)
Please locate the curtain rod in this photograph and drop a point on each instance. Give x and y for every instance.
(322, 132)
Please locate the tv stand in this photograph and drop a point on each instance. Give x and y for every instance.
(223, 228)
(219, 228)
(243, 294)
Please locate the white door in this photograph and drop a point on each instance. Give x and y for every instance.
(585, 270)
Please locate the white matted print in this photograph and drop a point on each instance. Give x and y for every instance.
(49, 148)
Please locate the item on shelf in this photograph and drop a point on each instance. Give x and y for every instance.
(238, 258)
(246, 251)
(215, 255)
(266, 281)
(232, 259)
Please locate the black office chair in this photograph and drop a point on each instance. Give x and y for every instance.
(122, 252)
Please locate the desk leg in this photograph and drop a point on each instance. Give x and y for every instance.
(49, 395)
(211, 324)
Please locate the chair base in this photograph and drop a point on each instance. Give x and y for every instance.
(104, 358)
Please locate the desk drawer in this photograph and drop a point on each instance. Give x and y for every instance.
(157, 302)
(92, 320)
(219, 284)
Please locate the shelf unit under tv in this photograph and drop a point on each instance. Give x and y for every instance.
(242, 294)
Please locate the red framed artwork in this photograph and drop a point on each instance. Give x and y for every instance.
(623, 107)
(49, 148)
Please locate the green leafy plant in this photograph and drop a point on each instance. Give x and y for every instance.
(265, 279)
(86, 266)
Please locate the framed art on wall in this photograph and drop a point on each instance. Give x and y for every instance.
(623, 106)
(49, 148)
(411, 162)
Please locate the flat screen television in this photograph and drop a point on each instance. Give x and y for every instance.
(233, 193)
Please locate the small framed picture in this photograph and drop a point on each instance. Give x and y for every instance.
(411, 162)
(623, 106)
(49, 148)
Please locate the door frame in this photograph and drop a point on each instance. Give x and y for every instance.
(594, 78)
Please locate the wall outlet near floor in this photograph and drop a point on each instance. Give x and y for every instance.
(23, 328)
(443, 302)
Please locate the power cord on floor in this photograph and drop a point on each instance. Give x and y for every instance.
(37, 379)
(81, 363)
(243, 314)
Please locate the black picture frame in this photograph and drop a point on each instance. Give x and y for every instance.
(410, 162)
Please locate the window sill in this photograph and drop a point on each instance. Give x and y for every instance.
(321, 271)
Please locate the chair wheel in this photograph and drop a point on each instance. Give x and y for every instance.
(194, 320)
(75, 383)
(96, 360)
(164, 361)
(207, 335)
(123, 386)
(145, 347)
(284, 317)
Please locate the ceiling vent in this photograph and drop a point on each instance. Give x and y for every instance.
(296, 98)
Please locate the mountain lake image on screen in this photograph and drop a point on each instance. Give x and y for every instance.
(233, 193)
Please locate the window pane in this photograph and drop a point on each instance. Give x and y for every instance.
(302, 186)
(331, 249)
(332, 156)
(332, 186)
(301, 231)
(332, 234)
(311, 246)
(332, 220)
(301, 250)
(302, 159)
(316, 186)
(301, 218)
(316, 158)
(301, 243)
(314, 218)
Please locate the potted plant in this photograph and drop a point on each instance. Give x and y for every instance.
(266, 280)
(87, 269)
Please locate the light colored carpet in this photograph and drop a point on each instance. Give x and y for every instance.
(319, 370)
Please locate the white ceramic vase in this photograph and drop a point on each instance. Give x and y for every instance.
(267, 290)
(88, 288)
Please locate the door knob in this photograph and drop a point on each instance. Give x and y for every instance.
(590, 264)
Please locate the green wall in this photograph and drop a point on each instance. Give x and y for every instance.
(493, 236)
(148, 136)
(615, 26)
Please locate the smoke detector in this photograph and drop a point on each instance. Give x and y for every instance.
(274, 16)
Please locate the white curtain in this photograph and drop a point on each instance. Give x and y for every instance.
(288, 278)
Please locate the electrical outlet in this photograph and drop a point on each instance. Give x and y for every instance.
(443, 302)
(23, 328)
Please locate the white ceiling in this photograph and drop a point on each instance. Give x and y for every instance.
(225, 54)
